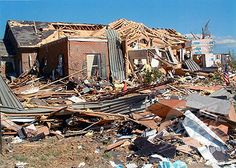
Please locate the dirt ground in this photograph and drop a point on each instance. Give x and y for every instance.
(51, 152)
(87, 152)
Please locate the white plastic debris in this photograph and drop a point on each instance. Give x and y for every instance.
(147, 166)
(76, 99)
(97, 150)
(30, 91)
(16, 140)
(158, 156)
(80, 147)
(31, 127)
(149, 133)
(20, 164)
(82, 164)
(113, 164)
(131, 165)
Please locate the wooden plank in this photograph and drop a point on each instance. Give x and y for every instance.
(5, 122)
(115, 145)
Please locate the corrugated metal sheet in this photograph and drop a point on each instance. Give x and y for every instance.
(7, 97)
(192, 66)
(116, 58)
(121, 105)
(208, 104)
(222, 93)
(25, 111)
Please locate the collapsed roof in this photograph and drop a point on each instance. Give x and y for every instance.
(3, 50)
(35, 34)
(133, 32)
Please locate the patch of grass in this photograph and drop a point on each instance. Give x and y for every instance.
(43, 158)
(52, 153)
(107, 155)
(152, 76)
(1, 161)
(20, 158)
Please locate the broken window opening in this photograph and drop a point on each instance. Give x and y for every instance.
(94, 65)
(59, 68)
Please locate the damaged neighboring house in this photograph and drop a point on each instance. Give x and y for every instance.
(202, 51)
(6, 60)
(60, 49)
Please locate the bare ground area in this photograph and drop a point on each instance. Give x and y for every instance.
(66, 152)
(72, 152)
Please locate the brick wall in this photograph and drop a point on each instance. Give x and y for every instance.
(51, 51)
(78, 51)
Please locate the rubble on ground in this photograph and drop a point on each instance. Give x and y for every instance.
(175, 122)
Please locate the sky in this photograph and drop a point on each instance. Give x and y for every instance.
(185, 16)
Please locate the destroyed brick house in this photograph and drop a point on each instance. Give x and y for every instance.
(95, 49)
(189, 116)
(44, 42)
(6, 60)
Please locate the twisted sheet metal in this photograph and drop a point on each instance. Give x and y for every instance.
(122, 105)
(7, 97)
(192, 66)
(116, 58)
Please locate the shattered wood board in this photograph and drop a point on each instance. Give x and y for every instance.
(203, 88)
(209, 104)
(232, 113)
(199, 131)
(5, 122)
(173, 103)
(166, 108)
(184, 148)
(191, 142)
(219, 129)
(147, 119)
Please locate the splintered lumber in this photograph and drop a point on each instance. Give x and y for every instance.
(45, 94)
(56, 111)
(103, 115)
(155, 56)
(91, 113)
(166, 109)
(61, 79)
(172, 87)
(5, 122)
(115, 145)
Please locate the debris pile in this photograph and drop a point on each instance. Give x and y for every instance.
(173, 123)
